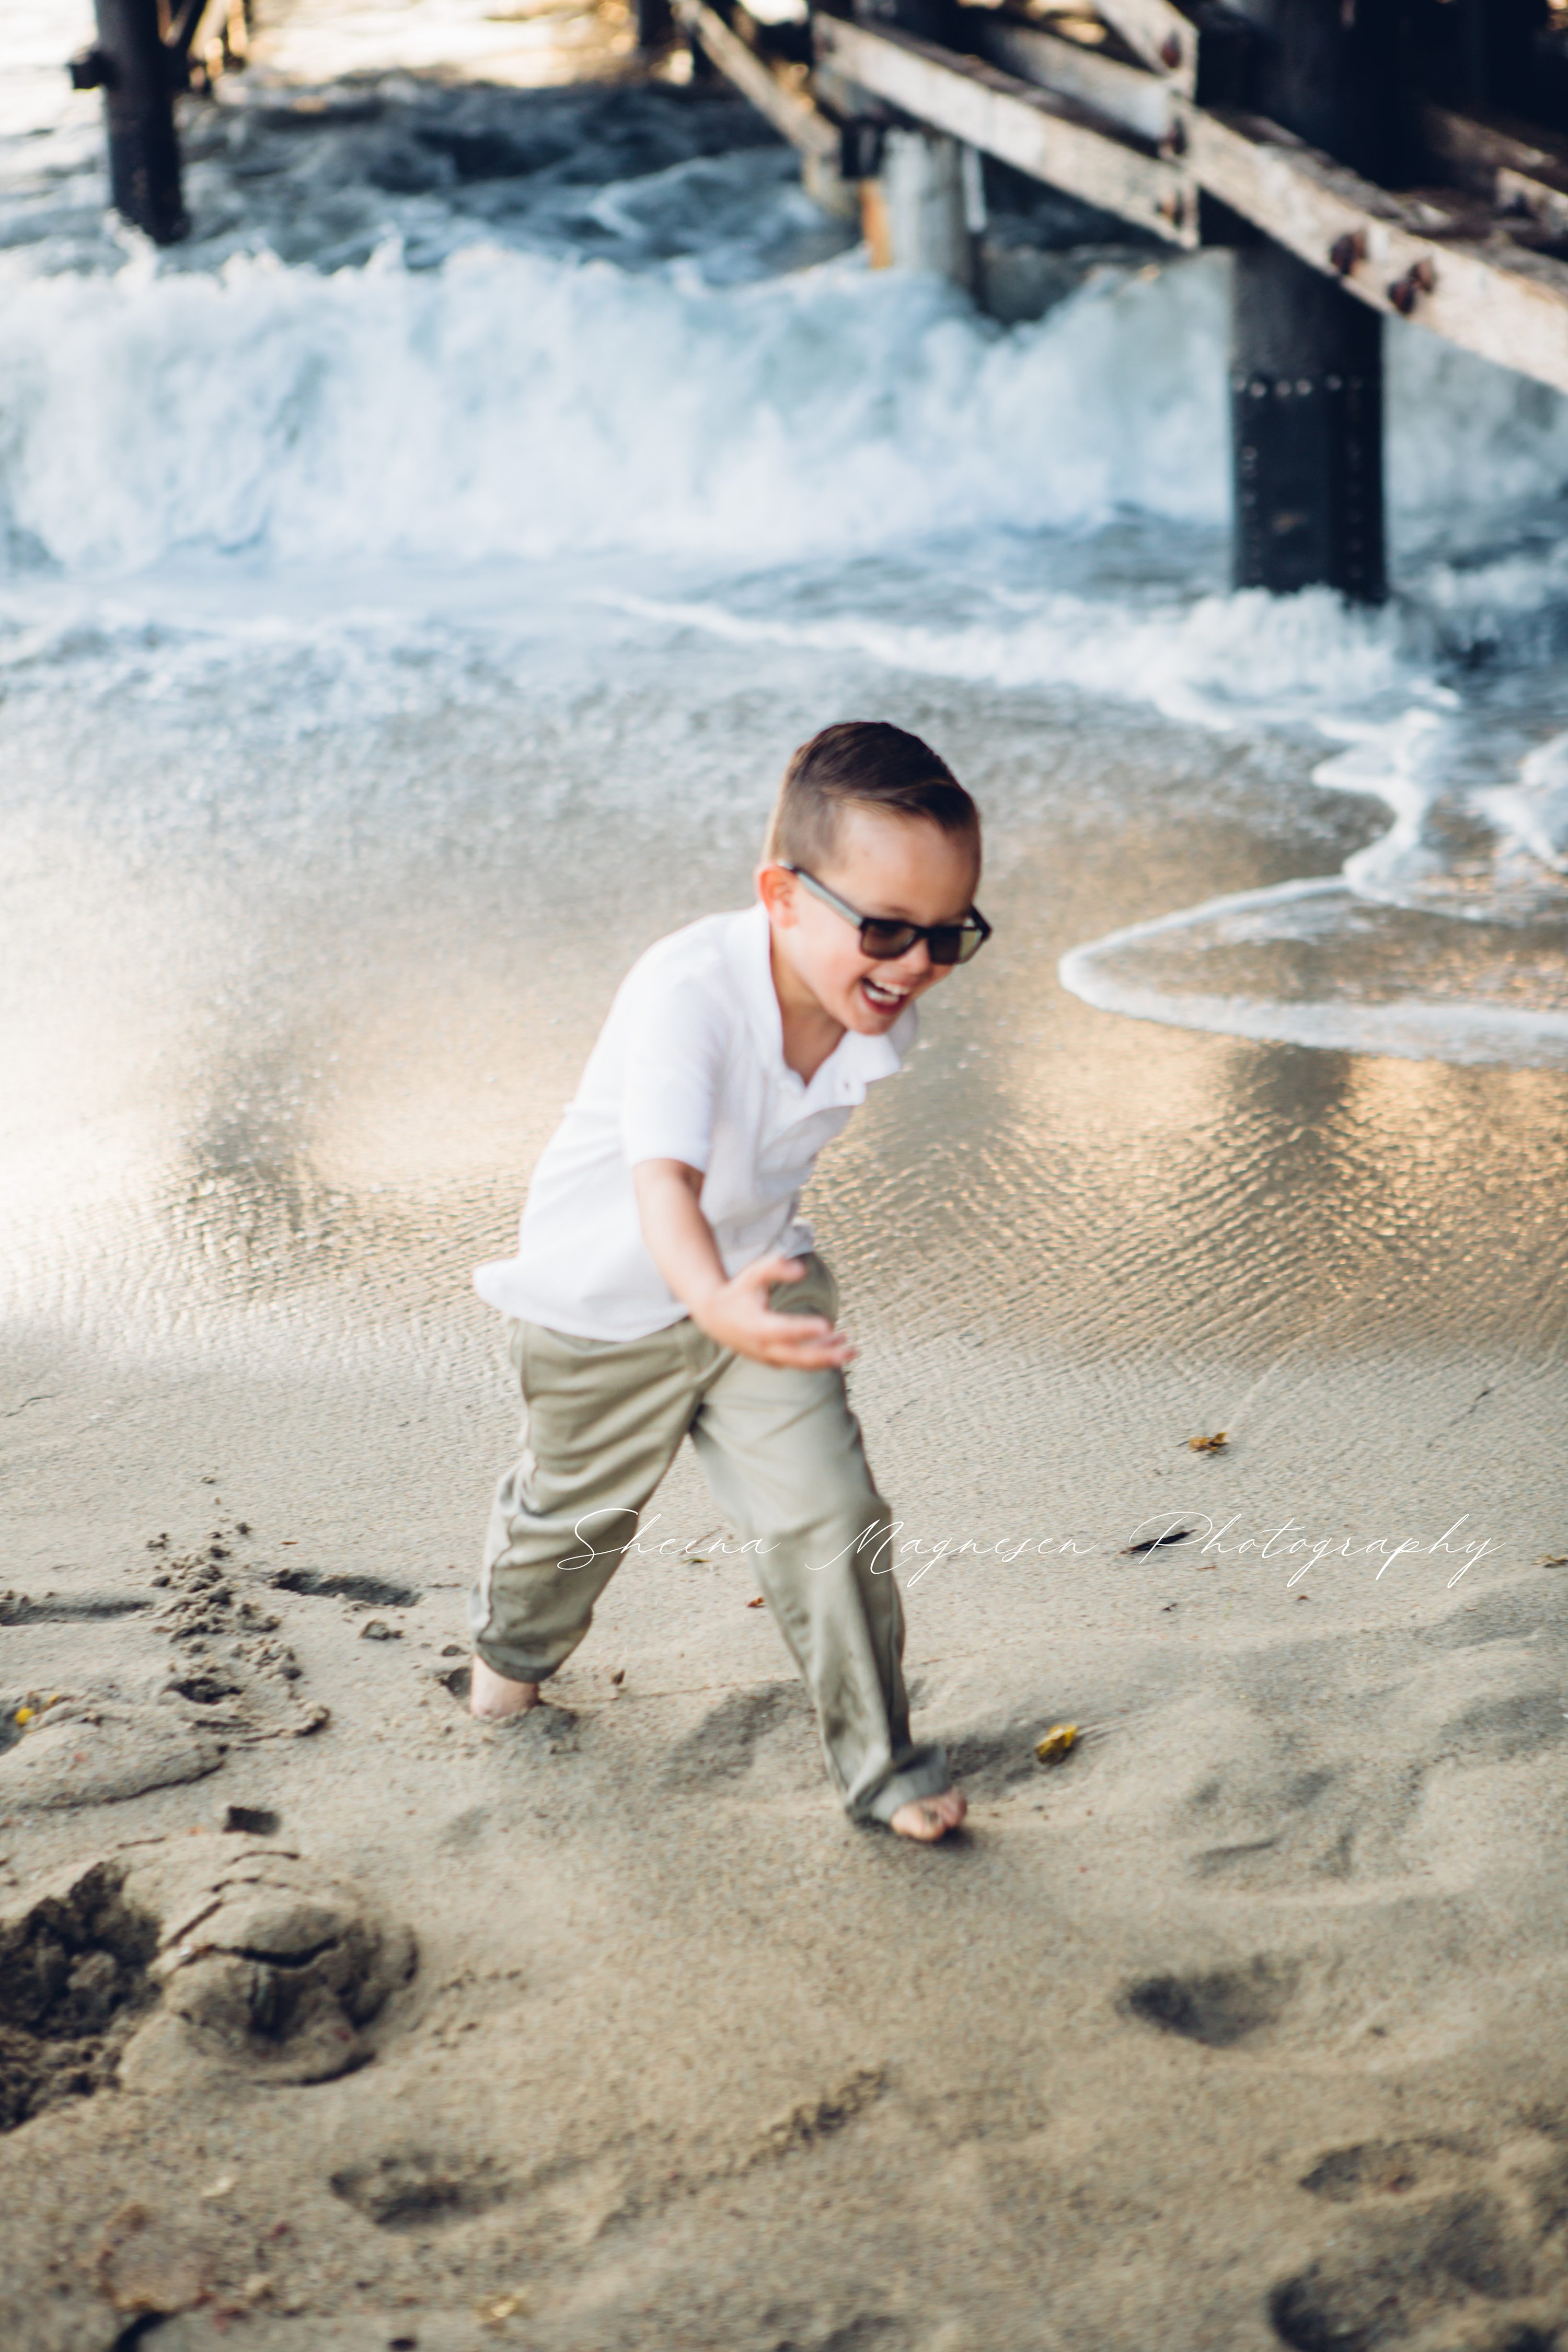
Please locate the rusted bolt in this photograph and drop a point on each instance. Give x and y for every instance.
(1420, 279)
(1346, 251)
(1170, 52)
(1176, 141)
(1174, 208)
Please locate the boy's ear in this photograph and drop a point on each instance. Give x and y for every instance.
(776, 888)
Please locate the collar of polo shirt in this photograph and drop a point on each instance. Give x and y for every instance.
(854, 1062)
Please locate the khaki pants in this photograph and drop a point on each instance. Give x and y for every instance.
(781, 1451)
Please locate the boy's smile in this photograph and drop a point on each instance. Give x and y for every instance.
(894, 868)
(883, 996)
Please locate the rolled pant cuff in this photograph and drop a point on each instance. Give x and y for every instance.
(499, 1662)
(925, 1773)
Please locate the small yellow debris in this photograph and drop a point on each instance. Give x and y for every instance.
(758, 1604)
(1218, 1443)
(220, 2187)
(1057, 1744)
(25, 1715)
(500, 2308)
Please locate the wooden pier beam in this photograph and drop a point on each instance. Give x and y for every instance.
(1051, 137)
(1306, 359)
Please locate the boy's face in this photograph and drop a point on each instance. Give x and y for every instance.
(903, 868)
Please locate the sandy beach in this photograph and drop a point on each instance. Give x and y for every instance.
(1239, 2027)
(431, 647)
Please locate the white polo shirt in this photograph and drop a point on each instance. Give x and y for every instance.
(688, 1065)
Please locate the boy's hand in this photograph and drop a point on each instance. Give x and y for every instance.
(732, 1311)
(737, 1314)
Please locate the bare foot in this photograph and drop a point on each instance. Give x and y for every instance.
(928, 1818)
(492, 1697)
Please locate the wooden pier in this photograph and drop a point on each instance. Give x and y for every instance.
(1362, 158)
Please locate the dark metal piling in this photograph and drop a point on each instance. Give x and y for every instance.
(1306, 359)
(1306, 375)
(138, 70)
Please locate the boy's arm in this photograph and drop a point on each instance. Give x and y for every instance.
(734, 1312)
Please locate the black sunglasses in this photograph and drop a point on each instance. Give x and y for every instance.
(883, 938)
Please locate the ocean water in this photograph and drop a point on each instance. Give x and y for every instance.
(452, 538)
(441, 354)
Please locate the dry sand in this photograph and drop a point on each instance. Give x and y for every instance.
(1244, 2026)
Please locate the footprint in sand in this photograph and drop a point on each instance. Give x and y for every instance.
(1219, 2007)
(419, 2191)
(1438, 2242)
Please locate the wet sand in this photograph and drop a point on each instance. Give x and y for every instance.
(1241, 2027)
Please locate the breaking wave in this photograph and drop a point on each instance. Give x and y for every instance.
(513, 406)
(509, 404)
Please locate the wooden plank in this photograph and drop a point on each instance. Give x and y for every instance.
(1521, 196)
(1162, 35)
(1520, 170)
(1428, 258)
(1432, 258)
(1478, 146)
(802, 124)
(1049, 137)
(1126, 95)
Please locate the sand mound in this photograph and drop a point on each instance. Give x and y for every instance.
(268, 1969)
(185, 1960)
(85, 1754)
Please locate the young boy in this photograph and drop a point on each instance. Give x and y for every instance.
(663, 1286)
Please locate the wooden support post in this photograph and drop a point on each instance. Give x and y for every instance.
(656, 25)
(1479, 53)
(916, 214)
(137, 72)
(925, 205)
(1306, 360)
(1513, 67)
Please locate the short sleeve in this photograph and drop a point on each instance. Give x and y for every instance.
(676, 1041)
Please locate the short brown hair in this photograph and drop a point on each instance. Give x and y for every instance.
(861, 764)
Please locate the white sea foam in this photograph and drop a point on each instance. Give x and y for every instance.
(509, 405)
(35, 92)
(1477, 1029)
(514, 403)
(1431, 993)
(1222, 661)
